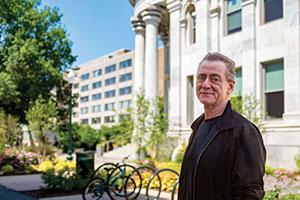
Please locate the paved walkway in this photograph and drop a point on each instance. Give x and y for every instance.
(11, 184)
(12, 195)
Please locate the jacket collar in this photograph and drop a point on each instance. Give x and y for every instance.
(226, 120)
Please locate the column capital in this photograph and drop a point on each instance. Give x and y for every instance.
(151, 15)
(137, 24)
(173, 5)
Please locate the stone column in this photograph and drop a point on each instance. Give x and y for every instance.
(249, 66)
(175, 114)
(151, 17)
(165, 39)
(292, 62)
(183, 27)
(138, 27)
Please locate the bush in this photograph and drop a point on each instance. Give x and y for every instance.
(7, 169)
(290, 197)
(61, 174)
(272, 194)
(172, 165)
(269, 170)
(297, 160)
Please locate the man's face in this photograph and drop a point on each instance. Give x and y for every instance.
(212, 87)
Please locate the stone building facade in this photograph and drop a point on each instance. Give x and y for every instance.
(262, 36)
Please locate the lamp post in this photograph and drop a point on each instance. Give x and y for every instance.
(70, 151)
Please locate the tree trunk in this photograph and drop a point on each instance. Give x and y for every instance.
(31, 139)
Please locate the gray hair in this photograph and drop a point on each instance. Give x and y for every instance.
(229, 63)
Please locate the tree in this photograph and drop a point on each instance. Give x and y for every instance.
(142, 123)
(42, 116)
(249, 107)
(88, 136)
(34, 50)
(10, 131)
(158, 128)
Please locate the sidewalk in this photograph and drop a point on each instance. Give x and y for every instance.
(11, 185)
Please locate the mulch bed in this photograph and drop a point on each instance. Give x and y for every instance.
(42, 193)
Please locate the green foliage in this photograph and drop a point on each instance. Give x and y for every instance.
(158, 128)
(142, 123)
(249, 107)
(10, 130)
(297, 161)
(64, 138)
(272, 194)
(88, 136)
(237, 103)
(42, 118)
(150, 126)
(61, 174)
(7, 169)
(269, 170)
(290, 197)
(34, 50)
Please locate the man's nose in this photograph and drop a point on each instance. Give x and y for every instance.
(206, 83)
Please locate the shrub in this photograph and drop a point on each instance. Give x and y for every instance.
(269, 170)
(272, 194)
(290, 197)
(7, 169)
(297, 160)
(61, 174)
(172, 165)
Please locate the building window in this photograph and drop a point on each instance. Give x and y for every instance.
(273, 9)
(125, 63)
(109, 106)
(96, 96)
(97, 73)
(84, 110)
(96, 120)
(84, 88)
(76, 85)
(191, 24)
(97, 84)
(96, 108)
(125, 90)
(84, 121)
(274, 89)
(110, 68)
(125, 77)
(84, 99)
(110, 81)
(110, 93)
(109, 119)
(125, 104)
(238, 83)
(234, 16)
(85, 76)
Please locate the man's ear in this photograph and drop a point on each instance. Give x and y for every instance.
(231, 85)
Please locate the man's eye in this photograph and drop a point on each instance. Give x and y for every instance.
(215, 79)
(201, 78)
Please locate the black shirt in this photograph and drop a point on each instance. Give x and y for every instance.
(196, 146)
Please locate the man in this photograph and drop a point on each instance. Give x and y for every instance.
(225, 157)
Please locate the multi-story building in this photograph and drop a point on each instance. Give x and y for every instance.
(105, 88)
(262, 36)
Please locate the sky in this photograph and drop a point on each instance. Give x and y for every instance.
(96, 27)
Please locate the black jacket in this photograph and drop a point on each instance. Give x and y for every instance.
(231, 166)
